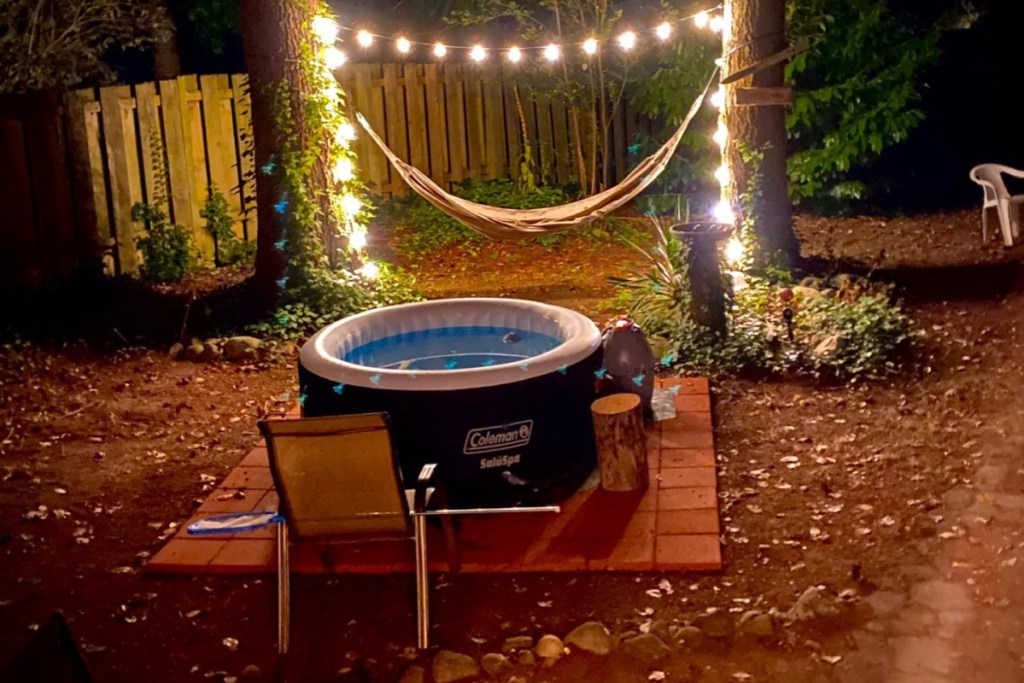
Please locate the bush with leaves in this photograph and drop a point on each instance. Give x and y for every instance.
(228, 249)
(167, 251)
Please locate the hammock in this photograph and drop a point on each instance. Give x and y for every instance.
(502, 223)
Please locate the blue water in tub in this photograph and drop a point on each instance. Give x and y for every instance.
(452, 348)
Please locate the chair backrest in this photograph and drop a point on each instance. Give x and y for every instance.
(337, 478)
(990, 177)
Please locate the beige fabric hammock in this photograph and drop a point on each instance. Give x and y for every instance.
(501, 223)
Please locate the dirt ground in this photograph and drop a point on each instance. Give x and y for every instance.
(842, 487)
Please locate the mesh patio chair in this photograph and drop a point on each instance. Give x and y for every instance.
(338, 481)
(990, 177)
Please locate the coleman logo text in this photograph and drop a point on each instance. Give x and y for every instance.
(498, 437)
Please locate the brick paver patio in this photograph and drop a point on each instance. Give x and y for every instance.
(672, 525)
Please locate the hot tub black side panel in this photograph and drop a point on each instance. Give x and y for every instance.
(530, 441)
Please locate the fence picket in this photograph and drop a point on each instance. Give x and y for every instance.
(246, 159)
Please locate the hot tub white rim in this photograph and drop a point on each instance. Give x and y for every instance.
(582, 338)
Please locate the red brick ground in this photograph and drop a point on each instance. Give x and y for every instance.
(672, 525)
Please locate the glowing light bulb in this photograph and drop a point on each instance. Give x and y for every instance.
(440, 50)
(350, 204)
(514, 54)
(334, 57)
(627, 40)
(734, 252)
(357, 240)
(663, 31)
(346, 133)
(721, 135)
(723, 213)
(590, 46)
(403, 45)
(370, 270)
(364, 38)
(716, 24)
(552, 52)
(718, 98)
(701, 19)
(326, 30)
(722, 174)
(477, 54)
(343, 170)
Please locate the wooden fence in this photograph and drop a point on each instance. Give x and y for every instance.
(99, 152)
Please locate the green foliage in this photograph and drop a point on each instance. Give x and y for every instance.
(857, 89)
(213, 21)
(228, 249)
(55, 44)
(167, 250)
(848, 331)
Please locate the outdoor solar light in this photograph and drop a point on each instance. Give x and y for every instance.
(701, 19)
(334, 57)
(364, 38)
(552, 53)
(350, 204)
(370, 270)
(403, 45)
(477, 53)
(514, 54)
(627, 40)
(326, 30)
(664, 30)
(357, 240)
(343, 171)
(590, 46)
(440, 50)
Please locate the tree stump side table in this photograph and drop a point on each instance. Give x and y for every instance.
(621, 442)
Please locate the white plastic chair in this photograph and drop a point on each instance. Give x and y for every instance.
(990, 177)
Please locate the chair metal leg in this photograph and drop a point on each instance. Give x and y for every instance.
(283, 589)
(422, 599)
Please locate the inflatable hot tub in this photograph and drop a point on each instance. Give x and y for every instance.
(496, 391)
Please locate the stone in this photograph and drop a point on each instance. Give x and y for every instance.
(526, 658)
(991, 476)
(592, 637)
(241, 348)
(659, 627)
(716, 625)
(814, 603)
(691, 636)
(885, 603)
(210, 353)
(251, 671)
(845, 280)
(828, 293)
(194, 352)
(1008, 501)
(808, 293)
(451, 666)
(175, 350)
(413, 674)
(811, 282)
(496, 665)
(514, 643)
(645, 647)
(942, 596)
(549, 647)
(957, 498)
(757, 623)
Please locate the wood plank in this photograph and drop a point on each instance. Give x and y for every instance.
(565, 168)
(246, 153)
(495, 145)
(122, 159)
(513, 127)
(775, 96)
(437, 125)
(416, 109)
(19, 257)
(179, 159)
(90, 188)
(221, 155)
(780, 56)
(370, 102)
(397, 131)
(473, 87)
(190, 105)
(546, 139)
(526, 97)
(454, 96)
(151, 141)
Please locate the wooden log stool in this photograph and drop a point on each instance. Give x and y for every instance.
(621, 442)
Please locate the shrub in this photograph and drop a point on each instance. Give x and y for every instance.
(228, 249)
(167, 251)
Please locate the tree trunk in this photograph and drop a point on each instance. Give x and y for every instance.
(754, 30)
(272, 34)
(166, 58)
(621, 442)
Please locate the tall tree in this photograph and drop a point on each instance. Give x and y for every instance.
(755, 30)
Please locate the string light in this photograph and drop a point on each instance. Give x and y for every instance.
(721, 134)
(403, 45)
(722, 174)
(364, 38)
(370, 270)
(477, 53)
(514, 54)
(334, 57)
(345, 134)
(552, 53)
(663, 31)
(734, 252)
(440, 50)
(718, 98)
(350, 204)
(357, 239)
(701, 19)
(590, 46)
(716, 24)
(723, 213)
(343, 170)
(627, 40)
(325, 29)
